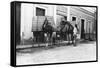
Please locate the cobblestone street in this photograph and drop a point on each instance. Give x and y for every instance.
(82, 52)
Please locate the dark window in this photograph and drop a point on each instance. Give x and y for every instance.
(65, 17)
(73, 18)
(40, 11)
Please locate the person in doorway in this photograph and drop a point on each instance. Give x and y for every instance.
(75, 31)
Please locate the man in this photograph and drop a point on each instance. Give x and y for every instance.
(75, 31)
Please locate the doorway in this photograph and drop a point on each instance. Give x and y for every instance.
(82, 29)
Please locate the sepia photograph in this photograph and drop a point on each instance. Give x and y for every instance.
(55, 33)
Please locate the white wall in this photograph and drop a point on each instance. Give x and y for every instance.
(26, 20)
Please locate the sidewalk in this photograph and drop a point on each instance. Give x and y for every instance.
(49, 44)
(40, 45)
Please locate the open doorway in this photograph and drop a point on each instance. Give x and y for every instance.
(82, 28)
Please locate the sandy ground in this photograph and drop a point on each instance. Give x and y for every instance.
(82, 52)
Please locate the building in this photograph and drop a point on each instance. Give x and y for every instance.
(85, 19)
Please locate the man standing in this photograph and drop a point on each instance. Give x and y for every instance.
(75, 31)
